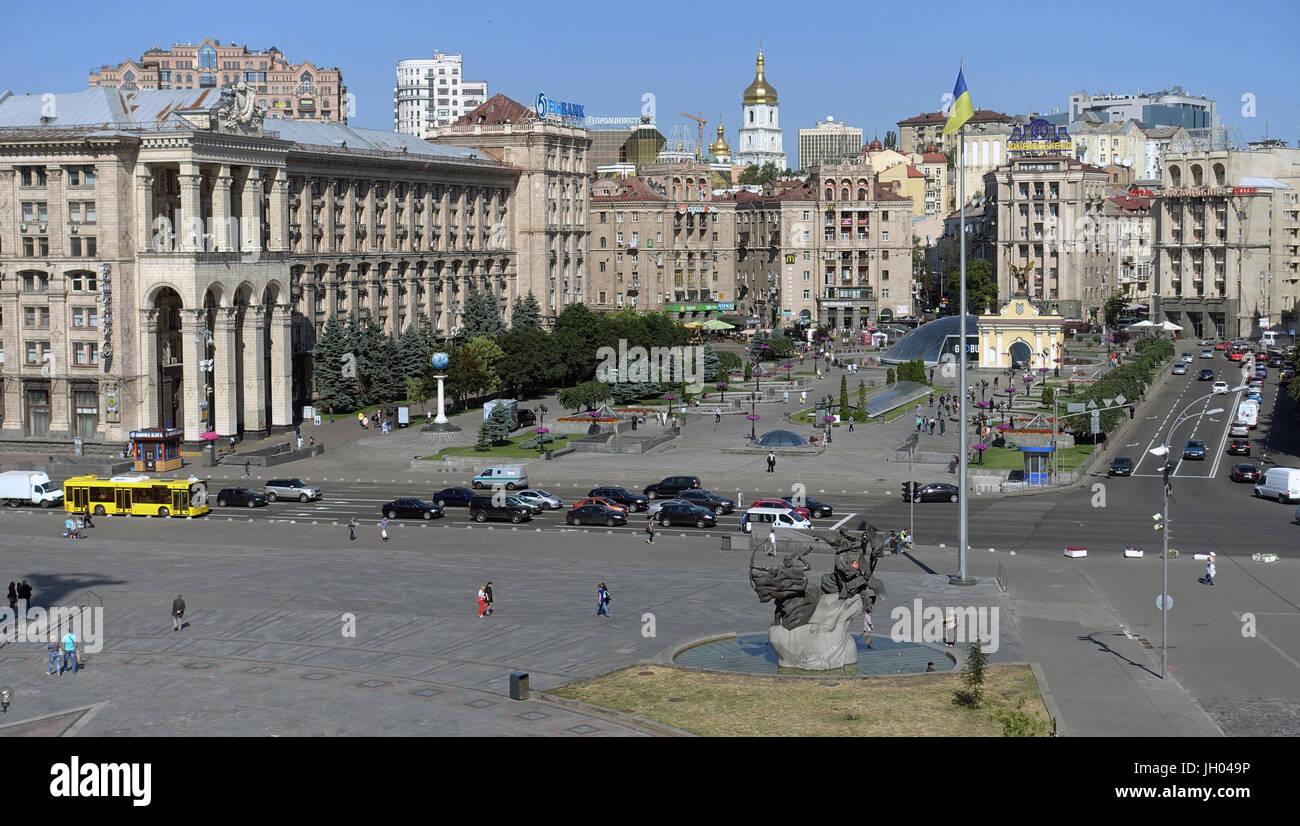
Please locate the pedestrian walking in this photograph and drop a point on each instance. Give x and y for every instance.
(995, 383)
(649, 529)
(933, 421)
(53, 648)
(69, 528)
(771, 542)
(13, 597)
(918, 424)
(931, 374)
(352, 529)
(482, 602)
(312, 443)
(178, 612)
(1208, 579)
(717, 415)
(602, 601)
(851, 424)
(803, 396)
(25, 592)
(950, 626)
(383, 528)
(942, 427)
(248, 468)
(85, 518)
(867, 628)
(69, 661)
(361, 420)
(331, 414)
(740, 500)
(932, 400)
(771, 462)
(785, 397)
(487, 592)
(300, 441)
(428, 417)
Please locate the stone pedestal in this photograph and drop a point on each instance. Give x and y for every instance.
(824, 643)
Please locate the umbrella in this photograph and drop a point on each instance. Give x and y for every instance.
(718, 324)
(747, 332)
(692, 324)
(211, 435)
(1143, 324)
(1168, 326)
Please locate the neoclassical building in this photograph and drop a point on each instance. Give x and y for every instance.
(167, 258)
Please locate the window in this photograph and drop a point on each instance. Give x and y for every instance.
(659, 217)
(34, 212)
(618, 258)
(36, 351)
(807, 275)
(38, 411)
(31, 176)
(36, 317)
(81, 246)
(85, 353)
(618, 217)
(83, 281)
(207, 79)
(807, 256)
(884, 275)
(207, 57)
(34, 247)
(602, 242)
(884, 236)
(35, 282)
(884, 293)
(806, 295)
(602, 217)
(85, 317)
(81, 176)
(634, 217)
(806, 215)
(81, 212)
(602, 266)
(884, 255)
(85, 402)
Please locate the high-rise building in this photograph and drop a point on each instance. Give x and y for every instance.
(1168, 107)
(433, 92)
(760, 129)
(828, 142)
(299, 91)
(1227, 246)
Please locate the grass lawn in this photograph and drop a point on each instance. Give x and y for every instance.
(1000, 458)
(718, 705)
(510, 450)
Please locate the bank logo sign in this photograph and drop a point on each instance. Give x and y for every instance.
(557, 108)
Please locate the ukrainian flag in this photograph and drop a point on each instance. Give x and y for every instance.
(962, 109)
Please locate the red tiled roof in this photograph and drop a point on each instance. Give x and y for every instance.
(884, 192)
(1130, 203)
(497, 110)
(934, 157)
(913, 172)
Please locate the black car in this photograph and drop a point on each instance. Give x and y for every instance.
(1275, 361)
(1244, 473)
(527, 418)
(411, 509)
(670, 487)
(684, 513)
(1239, 447)
(241, 496)
(1120, 466)
(454, 496)
(709, 500)
(595, 515)
(1205, 375)
(482, 508)
(936, 492)
(623, 496)
(815, 509)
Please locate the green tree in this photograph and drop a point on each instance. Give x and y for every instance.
(780, 348)
(482, 316)
(891, 139)
(412, 353)
(490, 356)
(891, 376)
(1114, 305)
(754, 174)
(749, 371)
(844, 396)
(333, 389)
(981, 286)
(574, 343)
(527, 367)
(913, 370)
(417, 390)
(465, 374)
(756, 344)
(712, 364)
(976, 662)
(585, 396)
(376, 356)
(498, 425)
(862, 395)
(527, 312)
(729, 361)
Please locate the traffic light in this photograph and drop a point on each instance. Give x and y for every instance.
(1130, 412)
(907, 491)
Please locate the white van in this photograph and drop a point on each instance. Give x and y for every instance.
(511, 477)
(773, 517)
(1248, 412)
(1280, 483)
(1268, 338)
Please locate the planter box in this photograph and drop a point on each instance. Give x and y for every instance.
(1132, 553)
(1075, 553)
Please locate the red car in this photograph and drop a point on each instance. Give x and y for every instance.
(1222, 345)
(1239, 447)
(778, 503)
(1244, 473)
(1234, 355)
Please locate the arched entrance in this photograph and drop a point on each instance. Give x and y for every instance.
(1020, 353)
(169, 357)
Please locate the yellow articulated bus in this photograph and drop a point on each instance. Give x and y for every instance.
(136, 496)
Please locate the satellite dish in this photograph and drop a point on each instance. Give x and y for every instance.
(1128, 161)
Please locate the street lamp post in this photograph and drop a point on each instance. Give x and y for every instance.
(1163, 451)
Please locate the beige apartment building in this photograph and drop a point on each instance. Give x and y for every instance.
(1104, 144)
(179, 274)
(1228, 241)
(660, 242)
(1131, 235)
(300, 91)
(828, 141)
(549, 206)
(1049, 218)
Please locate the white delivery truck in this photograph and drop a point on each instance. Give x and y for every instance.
(20, 487)
(1248, 412)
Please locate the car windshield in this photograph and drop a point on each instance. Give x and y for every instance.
(418, 503)
(537, 492)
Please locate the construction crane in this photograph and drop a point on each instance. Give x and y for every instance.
(699, 148)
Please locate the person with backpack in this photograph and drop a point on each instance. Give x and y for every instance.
(602, 601)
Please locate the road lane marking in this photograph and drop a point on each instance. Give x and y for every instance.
(842, 521)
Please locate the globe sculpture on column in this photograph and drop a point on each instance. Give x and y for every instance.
(810, 630)
(439, 361)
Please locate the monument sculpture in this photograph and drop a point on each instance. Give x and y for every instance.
(238, 108)
(810, 629)
(1021, 274)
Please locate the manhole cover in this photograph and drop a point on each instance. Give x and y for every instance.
(426, 692)
(532, 715)
(583, 729)
(480, 703)
(316, 675)
(374, 683)
(260, 669)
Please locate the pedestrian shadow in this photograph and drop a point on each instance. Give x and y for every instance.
(1106, 649)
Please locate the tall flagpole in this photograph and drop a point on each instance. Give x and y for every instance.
(963, 421)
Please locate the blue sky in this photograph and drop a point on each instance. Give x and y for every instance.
(867, 64)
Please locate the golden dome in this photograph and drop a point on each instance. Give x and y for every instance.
(760, 91)
(719, 147)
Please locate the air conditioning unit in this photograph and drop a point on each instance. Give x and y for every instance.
(22, 227)
(43, 227)
(73, 229)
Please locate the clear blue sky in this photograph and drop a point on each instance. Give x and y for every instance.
(867, 64)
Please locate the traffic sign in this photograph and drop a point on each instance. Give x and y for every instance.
(1075, 407)
(1160, 602)
(1096, 422)
(1109, 402)
(1120, 400)
(1092, 405)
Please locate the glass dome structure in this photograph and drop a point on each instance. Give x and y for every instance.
(782, 438)
(931, 340)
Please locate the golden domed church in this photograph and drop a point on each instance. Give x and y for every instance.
(760, 128)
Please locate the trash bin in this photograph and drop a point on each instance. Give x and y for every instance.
(548, 455)
(519, 685)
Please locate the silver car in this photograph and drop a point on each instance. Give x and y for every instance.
(1180, 368)
(290, 489)
(533, 496)
(658, 505)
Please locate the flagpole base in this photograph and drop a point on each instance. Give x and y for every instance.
(956, 579)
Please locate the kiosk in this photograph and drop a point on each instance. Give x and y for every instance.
(158, 449)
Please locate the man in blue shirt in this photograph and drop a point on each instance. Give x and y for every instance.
(69, 654)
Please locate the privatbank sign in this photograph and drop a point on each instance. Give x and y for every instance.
(545, 107)
(1040, 138)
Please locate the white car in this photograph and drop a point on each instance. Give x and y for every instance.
(1239, 429)
(533, 496)
(1180, 368)
(1207, 354)
(1219, 387)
